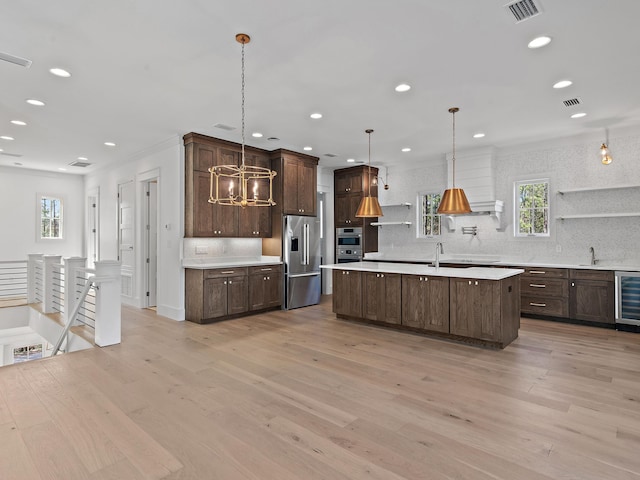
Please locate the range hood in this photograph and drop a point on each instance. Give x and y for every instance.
(475, 173)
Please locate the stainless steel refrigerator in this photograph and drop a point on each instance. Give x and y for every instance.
(302, 258)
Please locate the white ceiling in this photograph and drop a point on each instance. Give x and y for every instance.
(144, 71)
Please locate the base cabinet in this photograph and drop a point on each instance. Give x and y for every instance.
(381, 299)
(486, 312)
(220, 293)
(592, 296)
(348, 301)
(265, 287)
(425, 302)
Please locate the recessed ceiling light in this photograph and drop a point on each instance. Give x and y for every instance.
(1, 150)
(403, 87)
(539, 42)
(60, 72)
(5, 137)
(62, 169)
(256, 134)
(478, 135)
(18, 122)
(351, 160)
(316, 115)
(406, 149)
(33, 101)
(308, 149)
(579, 115)
(273, 139)
(562, 84)
(83, 158)
(110, 144)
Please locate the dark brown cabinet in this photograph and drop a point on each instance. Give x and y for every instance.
(381, 299)
(425, 302)
(265, 287)
(545, 291)
(349, 301)
(215, 293)
(351, 185)
(204, 219)
(592, 295)
(297, 181)
(485, 309)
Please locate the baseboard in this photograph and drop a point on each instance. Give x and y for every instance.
(171, 312)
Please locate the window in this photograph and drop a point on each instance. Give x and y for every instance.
(50, 217)
(428, 218)
(532, 208)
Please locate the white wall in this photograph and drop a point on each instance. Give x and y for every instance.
(325, 184)
(166, 160)
(567, 163)
(19, 212)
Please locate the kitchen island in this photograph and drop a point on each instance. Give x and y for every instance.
(479, 305)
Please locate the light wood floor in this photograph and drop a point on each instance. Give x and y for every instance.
(301, 395)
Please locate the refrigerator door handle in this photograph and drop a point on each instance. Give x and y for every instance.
(298, 275)
(307, 246)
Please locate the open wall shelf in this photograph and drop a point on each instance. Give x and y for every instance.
(596, 189)
(599, 215)
(381, 224)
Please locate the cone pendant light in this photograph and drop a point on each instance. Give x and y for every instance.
(369, 206)
(454, 201)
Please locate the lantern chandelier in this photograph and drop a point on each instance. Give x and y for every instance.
(243, 185)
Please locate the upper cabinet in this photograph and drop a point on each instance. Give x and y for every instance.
(296, 182)
(203, 219)
(351, 184)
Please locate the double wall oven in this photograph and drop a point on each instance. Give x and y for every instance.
(348, 244)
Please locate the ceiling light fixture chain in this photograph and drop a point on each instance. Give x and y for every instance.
(224, 178)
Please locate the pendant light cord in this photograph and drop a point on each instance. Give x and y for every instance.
(369, 163)
(453, 158)
(243, 103)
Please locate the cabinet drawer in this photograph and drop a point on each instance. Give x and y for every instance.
(554, 307)
(544, 287)
(604, 275)
(225, 272)
(265, 269)
(545, 272)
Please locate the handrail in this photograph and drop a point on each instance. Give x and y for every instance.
(72, 317)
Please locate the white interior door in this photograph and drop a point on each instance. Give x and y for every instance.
(126, 235)
(152, 242)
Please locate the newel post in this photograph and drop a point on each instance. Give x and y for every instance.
(108, 317)
(47, 279)
(71, 266)
(32, 277)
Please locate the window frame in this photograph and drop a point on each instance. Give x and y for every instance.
(40, 217)
(517, 210)
(420, 220)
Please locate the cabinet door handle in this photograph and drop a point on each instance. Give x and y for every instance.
(537, 304)
(537, 272)
(573, 284)
(537, 285)
(230, 271)
(266, 269)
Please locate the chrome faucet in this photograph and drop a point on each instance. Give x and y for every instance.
(439, 250)
(593, 256)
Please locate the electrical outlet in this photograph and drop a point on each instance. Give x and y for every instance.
(558, 248)
(201, 249)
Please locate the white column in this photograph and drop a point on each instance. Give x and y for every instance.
(47, 277)
(71, 265)
(108, 306)
(33, 258)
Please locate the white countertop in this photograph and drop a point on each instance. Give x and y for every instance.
(229, 262)
(477, 273)
(492, 260)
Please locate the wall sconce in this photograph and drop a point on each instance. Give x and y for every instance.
(606, 156)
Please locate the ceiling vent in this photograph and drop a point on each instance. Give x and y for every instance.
(523, 9)
(330, 155)
(17, 155)
(222, 126)
(80, 164)
(572, 102)
(23, 62)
